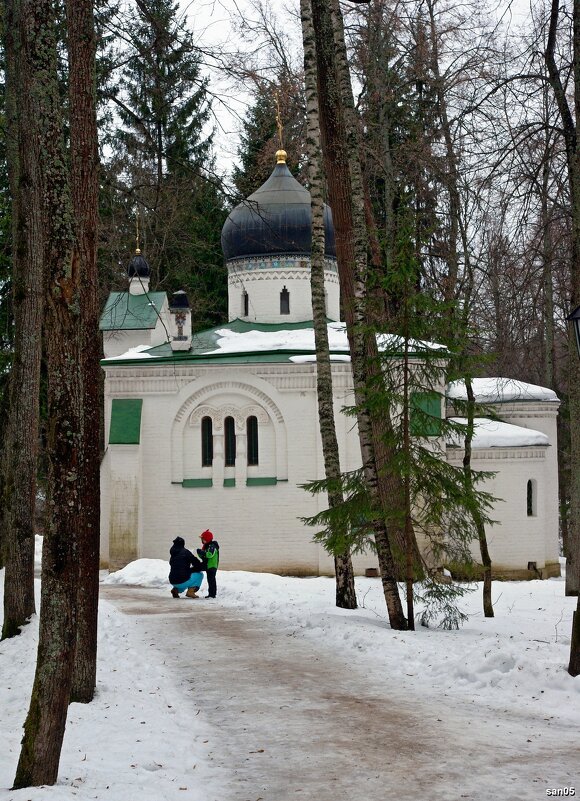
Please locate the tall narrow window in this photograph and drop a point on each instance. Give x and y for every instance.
(230, 441)
(530, 498)
(284, 301)
(252, 435)
(245, 304)
(206, 442)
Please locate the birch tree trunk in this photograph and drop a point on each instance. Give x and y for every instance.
(573, 163)
(20, 445)
(345, 590)
(84, 181)
(46, 719)
(479, 524)
(340, 149)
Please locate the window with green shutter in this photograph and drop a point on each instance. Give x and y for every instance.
(425, 414)
(125, 428)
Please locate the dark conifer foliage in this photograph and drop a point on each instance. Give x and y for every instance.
(162, 169)
(260, 139)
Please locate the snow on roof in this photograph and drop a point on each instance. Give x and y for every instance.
(501, 390)
(496, 434)
(230, 341)
(138, 352)
(311, 358)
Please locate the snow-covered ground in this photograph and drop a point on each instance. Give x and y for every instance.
(135, 743)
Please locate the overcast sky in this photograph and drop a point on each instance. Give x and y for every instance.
(215, 25)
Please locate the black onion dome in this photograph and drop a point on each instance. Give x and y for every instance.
(138, 266)
(274, 220)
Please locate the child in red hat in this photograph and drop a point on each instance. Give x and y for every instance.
(209, 553)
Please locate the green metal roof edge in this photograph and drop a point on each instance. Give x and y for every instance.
(253, 357)
(208, 337)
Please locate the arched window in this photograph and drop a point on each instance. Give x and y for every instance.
(284, 301)
(230, 441)
(252, 437)
(531, 498)
(206, 442)
(245, 304)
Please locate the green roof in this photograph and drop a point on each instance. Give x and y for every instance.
(126, 312)
(208, 340)
(204, 342)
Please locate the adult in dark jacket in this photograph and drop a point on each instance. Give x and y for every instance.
(184, 570)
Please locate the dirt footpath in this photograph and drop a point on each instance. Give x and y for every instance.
(291, 719)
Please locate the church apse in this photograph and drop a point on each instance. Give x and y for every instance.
(230, 435)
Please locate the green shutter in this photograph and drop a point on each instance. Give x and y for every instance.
(125, 426)
(425, 414)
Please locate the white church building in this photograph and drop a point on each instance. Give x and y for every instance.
(218, 430)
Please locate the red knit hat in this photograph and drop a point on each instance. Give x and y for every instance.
(206, 535)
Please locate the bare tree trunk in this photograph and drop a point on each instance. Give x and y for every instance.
(547, 277)
(479, 524)
(20, 445)
(81, 44)
(574, 664)
(345, 589)
(573, 159)
(340, 149)
(452, 177)
(46, 719)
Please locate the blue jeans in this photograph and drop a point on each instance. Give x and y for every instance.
(195, 580)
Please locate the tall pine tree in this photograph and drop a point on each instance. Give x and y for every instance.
(163, 168)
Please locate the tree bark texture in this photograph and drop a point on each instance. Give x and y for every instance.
(340, 149)
(479, 524)
(345, 589)
(20, 445)
(573, 163)
(574, 664)
(81, 42)
(46, 719)
(573, 561)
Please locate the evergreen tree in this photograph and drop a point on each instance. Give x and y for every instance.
(162, 168)
(260, 140)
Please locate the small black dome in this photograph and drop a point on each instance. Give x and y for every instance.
(274, 220)
(138, 267)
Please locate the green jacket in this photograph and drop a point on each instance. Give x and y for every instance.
(210, 554)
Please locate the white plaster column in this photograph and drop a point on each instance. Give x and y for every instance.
(241, 456)
(218, 466)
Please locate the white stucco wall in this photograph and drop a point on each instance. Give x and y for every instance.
(258, 526)
(264, 284)
(516, 538)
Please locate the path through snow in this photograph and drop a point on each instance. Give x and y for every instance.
(293, 718)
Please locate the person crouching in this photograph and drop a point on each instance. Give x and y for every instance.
(185, 570)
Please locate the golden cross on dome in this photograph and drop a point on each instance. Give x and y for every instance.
(137, 247)
(280, 154)
(279, 122)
